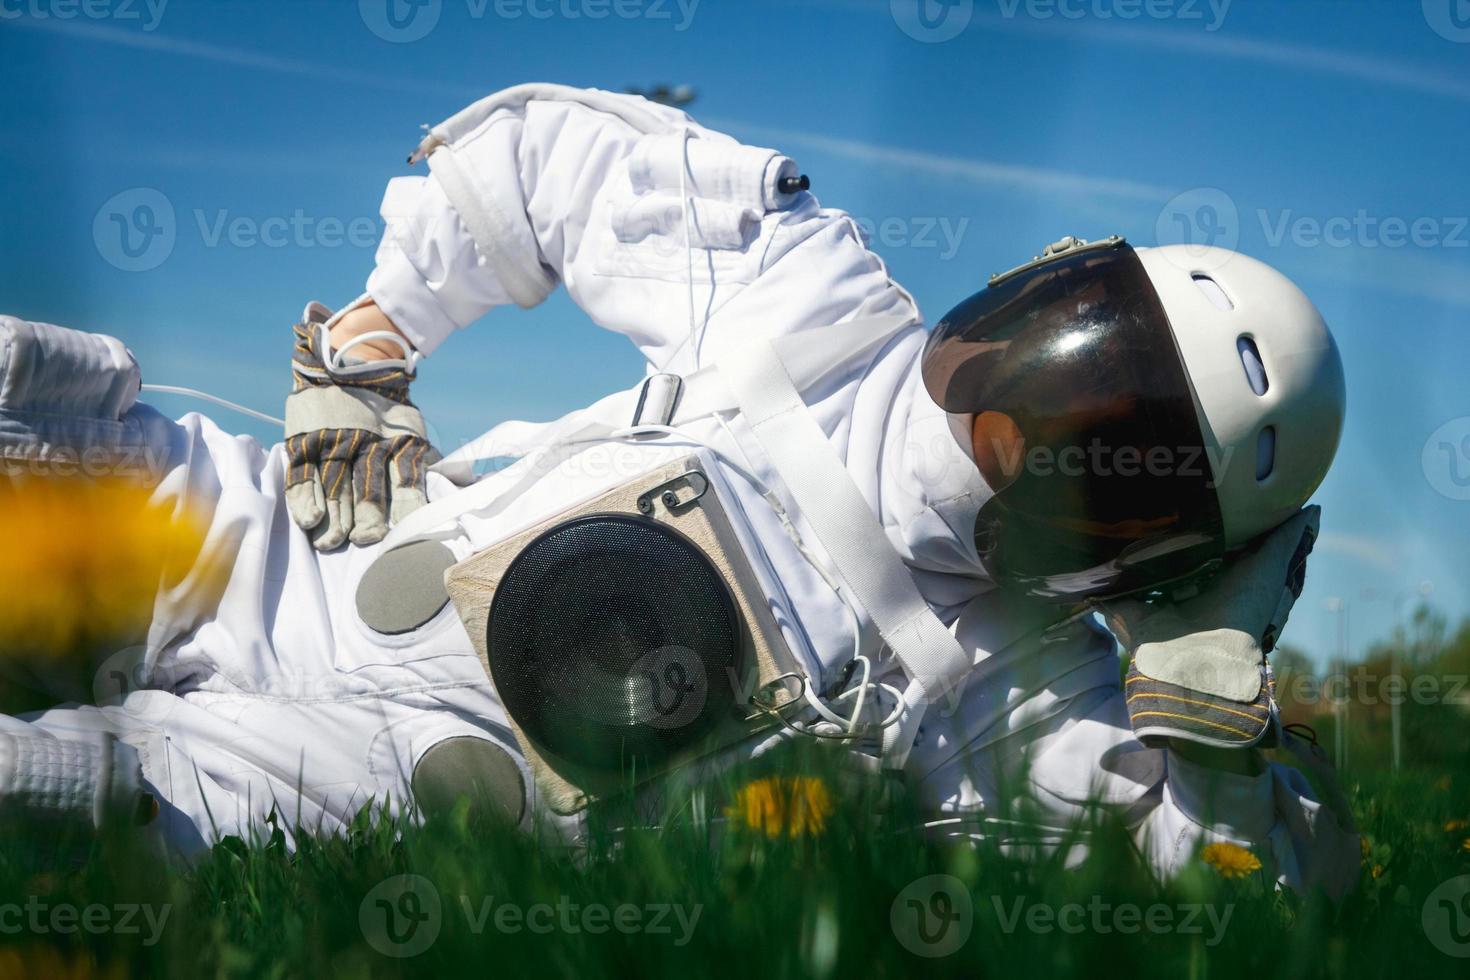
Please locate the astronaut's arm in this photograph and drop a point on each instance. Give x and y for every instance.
(544, 185)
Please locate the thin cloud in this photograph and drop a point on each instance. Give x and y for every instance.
(221, 55)
(1192, 38)
(1362, 548)
(988, 172)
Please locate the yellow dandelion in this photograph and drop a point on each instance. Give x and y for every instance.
(795, 805)
(1451, 826)
(84, 560)
(1230, 860)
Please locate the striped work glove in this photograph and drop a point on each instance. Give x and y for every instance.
(1198, 670)
(357, 448)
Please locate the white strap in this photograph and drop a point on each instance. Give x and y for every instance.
(848, 529)
(526, 280)
(810, 355)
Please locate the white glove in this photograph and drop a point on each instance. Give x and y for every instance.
(1199, 670)
(358, 448)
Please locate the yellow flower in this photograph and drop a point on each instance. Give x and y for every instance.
(1451, 826)
(1230, 860)
(1378, 871)
(795, 805)
(1465, 844)
(42, 961)
(84, 560)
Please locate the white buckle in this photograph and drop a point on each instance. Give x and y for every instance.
(658, 400)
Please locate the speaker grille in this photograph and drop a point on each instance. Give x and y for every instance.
(614, 642)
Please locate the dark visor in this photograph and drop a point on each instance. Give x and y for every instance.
(1085, 428)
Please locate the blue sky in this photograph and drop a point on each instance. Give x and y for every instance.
(1327, 137)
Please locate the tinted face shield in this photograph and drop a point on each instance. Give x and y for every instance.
(1084, 427)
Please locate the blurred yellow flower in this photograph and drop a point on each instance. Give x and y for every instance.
(43, 961)
(84, 560)
(1465, 844)
(1377, 871)
(1451, 826)
(795, 805)
(1230, 860)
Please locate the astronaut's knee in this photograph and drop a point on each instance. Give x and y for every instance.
(473, 769)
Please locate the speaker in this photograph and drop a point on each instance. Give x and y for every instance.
(626, 634)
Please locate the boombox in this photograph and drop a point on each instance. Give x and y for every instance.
(627, 634)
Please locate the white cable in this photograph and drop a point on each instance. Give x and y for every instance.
(684, 207)
(206, 396)
(336, 366)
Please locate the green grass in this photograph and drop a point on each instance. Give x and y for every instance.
(767, 907)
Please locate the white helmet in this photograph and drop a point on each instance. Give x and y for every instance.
(1136, 413)
(1266, 376)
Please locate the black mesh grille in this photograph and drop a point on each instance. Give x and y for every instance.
(613, 641)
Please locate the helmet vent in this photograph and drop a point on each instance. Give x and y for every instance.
(1250, 359)
(1212, 292)
(1265, 452)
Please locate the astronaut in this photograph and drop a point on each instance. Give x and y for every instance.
(935, 521)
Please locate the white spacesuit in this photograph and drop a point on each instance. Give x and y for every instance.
(280, 695)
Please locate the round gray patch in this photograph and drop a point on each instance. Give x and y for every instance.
(469, 768)
(404, 588)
